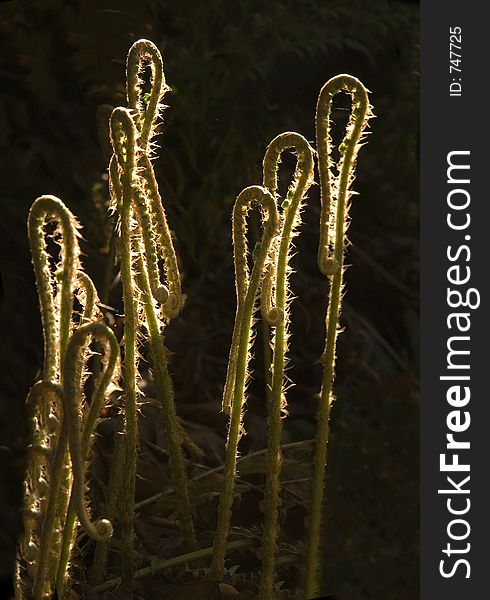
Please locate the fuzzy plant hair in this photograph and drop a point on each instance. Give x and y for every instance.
(80, 417)
(335, 185)
(277, 285)
(87, 297)
(247, 290)
(150, 301)
(56, 293)
(81, 423)
(48, 481)
(55, 290)
(122, 175)
(38, 546)
(64, 410)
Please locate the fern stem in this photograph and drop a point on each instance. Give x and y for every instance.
(303, 178)
(112, 497)
(247, 291)
(146, 107)
(88, 298)
(80, 435)
(160, 565)
(158, 299)
(55, 310)
(44, 402)
(56, 303)
(165, 395)
(49, 541)
(123, 136)
(335, 194)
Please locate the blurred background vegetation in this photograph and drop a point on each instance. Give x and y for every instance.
(240, 72)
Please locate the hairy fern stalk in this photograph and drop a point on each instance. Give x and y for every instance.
(145, 239)
(335, 198)
(55, 479)
(247, 290)
(63, 419)
(278, 317)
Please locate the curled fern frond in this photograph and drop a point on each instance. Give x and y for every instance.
(80, 432)
(335, 195)
(247, 288)
(153, 224)
(278, 280)
(335, 188)
(302, 180)
(142, 54)
(144, 240)
(172, 301)
(56, 284)
(56, 306)
(87, 296)
(161, 296)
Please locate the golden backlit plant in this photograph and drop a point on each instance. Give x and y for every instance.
(64, 420)
(55, 485)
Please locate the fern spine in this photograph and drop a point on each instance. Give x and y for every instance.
(335, 195)
(278, 316)
(247, 287)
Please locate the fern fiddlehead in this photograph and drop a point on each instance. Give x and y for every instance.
(45, 410)
(56, 309)
(151, 214)
(146, 107)
(168, 295)
(335, 195)
(87, 295)
(149, 239)
(278, 316)
(80, 433)
(56, 292)
(247, 289)
(161, 301)
(122, 180)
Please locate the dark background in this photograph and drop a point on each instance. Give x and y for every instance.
(240, 72)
